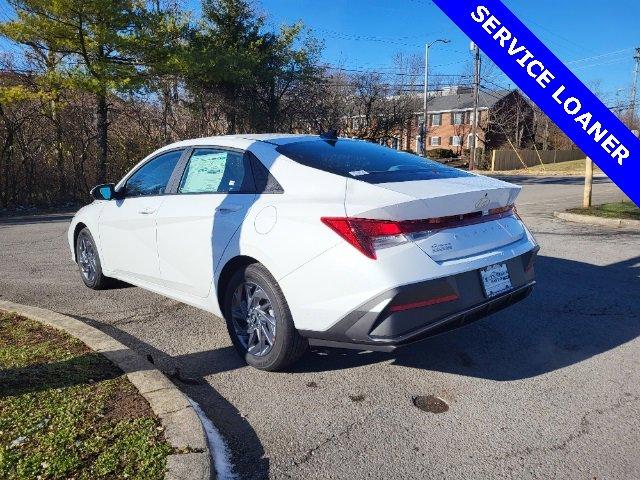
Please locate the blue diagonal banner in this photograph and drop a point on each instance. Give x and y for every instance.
(552, 86)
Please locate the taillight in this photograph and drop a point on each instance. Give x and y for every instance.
(366, 234)
(369, 235)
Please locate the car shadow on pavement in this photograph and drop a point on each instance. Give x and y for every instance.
(188, 373)
(576, 311)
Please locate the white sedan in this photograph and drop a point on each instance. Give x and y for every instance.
(299, 240)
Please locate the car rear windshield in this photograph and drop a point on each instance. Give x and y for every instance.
(366, 161)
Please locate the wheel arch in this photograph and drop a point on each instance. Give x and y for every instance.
(232, 266)
(76, 231)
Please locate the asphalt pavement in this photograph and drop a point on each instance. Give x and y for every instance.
(549, 388)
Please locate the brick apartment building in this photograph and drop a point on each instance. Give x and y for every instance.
(501, 114)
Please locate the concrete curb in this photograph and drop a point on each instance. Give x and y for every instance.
(593, 220)
(183, 429)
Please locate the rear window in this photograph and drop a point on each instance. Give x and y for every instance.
(366, 161)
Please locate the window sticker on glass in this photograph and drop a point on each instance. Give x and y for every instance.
(204, 172)
(358, 173)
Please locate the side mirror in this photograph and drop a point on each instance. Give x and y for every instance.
(106, 191)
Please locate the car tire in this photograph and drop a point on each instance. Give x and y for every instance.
(88, 261)
(270, 315)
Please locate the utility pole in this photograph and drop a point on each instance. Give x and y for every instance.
(588, 183)
(476, 98)
(588, 174)
(634, 88)
(425, 120)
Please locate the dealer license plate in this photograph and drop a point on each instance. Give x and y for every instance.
(495, 279)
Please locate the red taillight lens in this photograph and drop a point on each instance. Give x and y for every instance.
(368, 234)
(342, 227)
(362, 232)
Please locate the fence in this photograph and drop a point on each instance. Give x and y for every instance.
(510, 160)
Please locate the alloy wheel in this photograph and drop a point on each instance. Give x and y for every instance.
(253, 319)
(87, 259)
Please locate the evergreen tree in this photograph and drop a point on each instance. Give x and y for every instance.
(102, 46)
(252, 69)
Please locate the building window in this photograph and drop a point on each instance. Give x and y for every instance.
(456, 141)
(470, 141)
(436, 119)
(458, 118)
(358, 122)
(435, 141)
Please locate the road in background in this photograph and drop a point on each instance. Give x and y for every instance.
(547, 388)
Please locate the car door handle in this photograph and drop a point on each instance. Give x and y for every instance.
(228, 208)
(147, 211)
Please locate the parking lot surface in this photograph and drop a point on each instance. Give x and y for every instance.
(549, 388)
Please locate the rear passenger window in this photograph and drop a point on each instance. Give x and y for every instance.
(212, 170)
(264, 181)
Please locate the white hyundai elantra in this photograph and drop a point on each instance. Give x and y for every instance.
(299, 240)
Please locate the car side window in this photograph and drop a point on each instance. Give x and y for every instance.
(152, 178)
(265, 182)
(213, 170)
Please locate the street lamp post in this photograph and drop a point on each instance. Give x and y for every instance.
(425, 120)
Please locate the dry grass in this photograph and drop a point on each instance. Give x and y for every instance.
(67, 412)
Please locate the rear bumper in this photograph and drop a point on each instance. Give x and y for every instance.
(417, 311)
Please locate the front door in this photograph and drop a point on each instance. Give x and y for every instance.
(128, 225)
(195, 226)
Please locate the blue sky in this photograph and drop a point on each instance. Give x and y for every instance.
(596, 38)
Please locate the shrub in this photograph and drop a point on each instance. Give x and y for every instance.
(439, 153)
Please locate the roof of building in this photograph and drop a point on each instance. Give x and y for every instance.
(464, 101)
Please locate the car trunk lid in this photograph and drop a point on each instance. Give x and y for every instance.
(462, 209)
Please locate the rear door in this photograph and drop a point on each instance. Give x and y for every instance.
(127, 225)
(195, 225)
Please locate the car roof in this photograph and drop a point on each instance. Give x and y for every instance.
(278, 138)
(243, 140)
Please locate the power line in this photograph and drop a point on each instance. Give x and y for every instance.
(571, 62)
(405, 74)
(367, 38)
(602, 64)
(502, 87)
(566, 40)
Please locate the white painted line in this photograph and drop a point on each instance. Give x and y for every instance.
(218, 447)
